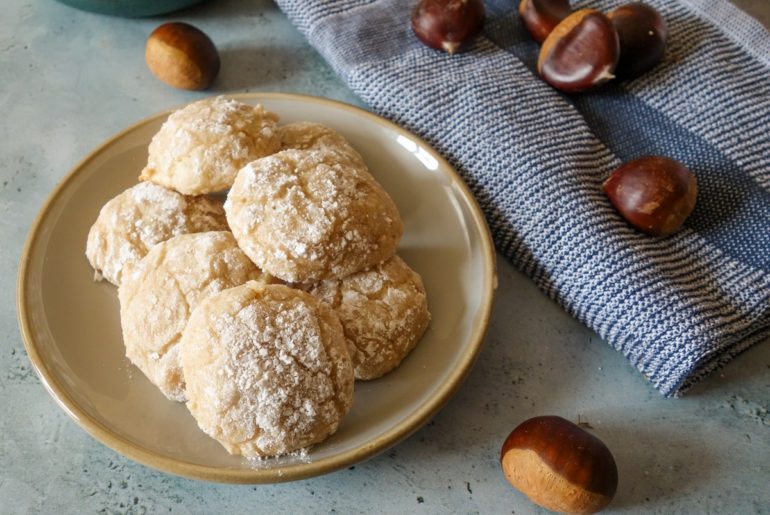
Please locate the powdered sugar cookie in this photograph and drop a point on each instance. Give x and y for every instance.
(316, 136)
(159, 293)
(307, 215)
(201, 147)
(129, 225)
(384, 313)
(267, 369)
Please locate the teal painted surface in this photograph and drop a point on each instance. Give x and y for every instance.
(71, 79)
(131, 8)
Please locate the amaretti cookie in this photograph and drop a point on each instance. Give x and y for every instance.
(267, 369)
(133, 222)
(308, 215)
(201, 147)
(316, 136)
(159, 293)
(384, 313)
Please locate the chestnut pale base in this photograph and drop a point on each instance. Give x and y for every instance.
(532, 476)
(182, 56)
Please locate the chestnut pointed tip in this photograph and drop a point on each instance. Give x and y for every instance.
(606, 75)
(436, 21)
(580, 53)
(450, 47)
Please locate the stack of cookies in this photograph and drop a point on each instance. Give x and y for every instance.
(259, 312)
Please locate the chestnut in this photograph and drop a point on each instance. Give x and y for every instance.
(541, 16)
(655, 194)
(643, 33)
(559, 465)
(182, 56)
(581, 52)
(447, 24)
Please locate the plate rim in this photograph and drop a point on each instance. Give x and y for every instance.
(290, 472)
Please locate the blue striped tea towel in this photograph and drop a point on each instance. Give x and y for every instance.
(676, 307)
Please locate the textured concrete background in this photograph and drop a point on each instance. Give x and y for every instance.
(72, 79)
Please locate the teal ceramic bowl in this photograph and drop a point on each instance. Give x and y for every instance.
(130, 7)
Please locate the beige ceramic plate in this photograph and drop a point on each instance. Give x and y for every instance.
(71, 326)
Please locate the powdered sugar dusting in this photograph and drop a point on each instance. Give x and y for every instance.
(200, 148)
(272, 462)
(133, 222)
(305, 215)
(384, 313)
(276, 375)
(265, 370)
(157, 297)
(316, 136)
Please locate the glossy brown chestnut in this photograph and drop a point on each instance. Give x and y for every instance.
(643, 33)
(447, 24)
(182, 56)
(580, 53)
(655, 194)
(542, 16)
(559, 465)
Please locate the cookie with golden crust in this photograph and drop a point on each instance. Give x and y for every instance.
(309, 215)
(159, 293)
(267, 369)
(316, 136)
(384, 312)
(200, 148)
(133, 222)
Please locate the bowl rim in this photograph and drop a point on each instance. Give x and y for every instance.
(289, 472)
(128, 10)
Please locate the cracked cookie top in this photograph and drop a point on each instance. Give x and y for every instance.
(200, 148)
(133, 222)
(316, 136)
(267, 369)
(159, 293)
(309, 215)
(384, 312)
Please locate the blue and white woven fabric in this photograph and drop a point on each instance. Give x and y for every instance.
(677, 307)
